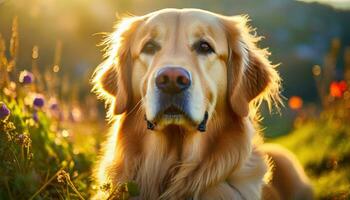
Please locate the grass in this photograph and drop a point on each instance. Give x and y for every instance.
(323, 148)
(43, 158)
(34, 154)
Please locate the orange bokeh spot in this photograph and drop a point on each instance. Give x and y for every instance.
(295, 102)
(336, 89)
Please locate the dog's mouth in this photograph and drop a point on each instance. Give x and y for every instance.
(172, 114)
(173, 111)
(175, 115)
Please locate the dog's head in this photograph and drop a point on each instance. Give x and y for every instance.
(182, 66)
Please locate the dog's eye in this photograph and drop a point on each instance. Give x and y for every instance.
(151, 47)
(203, 47)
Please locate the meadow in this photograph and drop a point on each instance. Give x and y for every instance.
(47, 146)
(50, 134)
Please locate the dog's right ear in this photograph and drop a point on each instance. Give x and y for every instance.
(251, 76)
(111, 78)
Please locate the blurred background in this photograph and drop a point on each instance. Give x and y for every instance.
(298, 34)
(56, 42)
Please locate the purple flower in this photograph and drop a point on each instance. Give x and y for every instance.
(39, 101)
(4, 111)
(55, 110)
(53, 104)
(26, 77)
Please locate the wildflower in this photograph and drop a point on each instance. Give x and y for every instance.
(65, 133)
(24, 139)
(8, 127)
(53, 104)
(38, 101)
(4, 111)
(20, 138)
(62, 176)
(26, 77)
(343, 86)
(336, 89)
(295, 102)
(55, 110)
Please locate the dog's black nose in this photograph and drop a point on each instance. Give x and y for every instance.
(173, 80)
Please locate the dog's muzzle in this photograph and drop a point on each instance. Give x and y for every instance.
(172, 90)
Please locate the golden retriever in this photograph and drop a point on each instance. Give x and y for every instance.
(183, 88)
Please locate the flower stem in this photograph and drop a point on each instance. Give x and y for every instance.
(46, 184)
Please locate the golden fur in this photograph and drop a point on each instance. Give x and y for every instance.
(176, 161)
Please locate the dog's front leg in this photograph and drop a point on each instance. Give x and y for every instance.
(248, 180)
(222, 191)
(117, 165)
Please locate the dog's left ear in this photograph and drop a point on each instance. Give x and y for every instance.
(251, 76)
(111, 79)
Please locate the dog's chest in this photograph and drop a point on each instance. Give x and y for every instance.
(163, 158)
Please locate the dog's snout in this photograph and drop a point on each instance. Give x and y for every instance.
(173, 80)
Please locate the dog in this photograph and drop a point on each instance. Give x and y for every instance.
(183, 88)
